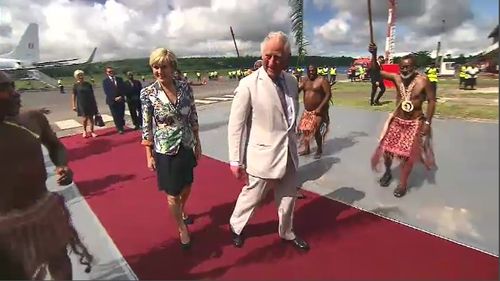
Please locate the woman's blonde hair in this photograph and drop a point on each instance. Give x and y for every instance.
(78, 72)
(162, 56)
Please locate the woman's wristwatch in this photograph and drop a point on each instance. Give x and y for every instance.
(427, 122)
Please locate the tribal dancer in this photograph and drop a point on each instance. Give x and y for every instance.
(315, 119)
(35, 225)
(407, 133)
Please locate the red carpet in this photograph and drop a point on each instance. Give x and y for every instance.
(346, 243)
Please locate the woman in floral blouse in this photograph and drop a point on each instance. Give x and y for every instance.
(170, 135)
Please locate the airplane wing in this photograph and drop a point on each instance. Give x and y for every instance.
(64, 62)
(55, 63)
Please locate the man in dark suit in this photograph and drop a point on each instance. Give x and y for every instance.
(377, 82)
(114, 88)
(133, 99)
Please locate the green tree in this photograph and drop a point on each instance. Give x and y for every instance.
(204, 64)
(423, 58)
(297, 17)
(461, 59)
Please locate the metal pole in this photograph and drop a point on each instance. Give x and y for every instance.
(235, 46)
(370, 20)
(439, 46)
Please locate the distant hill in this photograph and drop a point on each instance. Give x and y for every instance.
(203, 64)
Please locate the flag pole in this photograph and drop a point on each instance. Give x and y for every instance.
(370, 20)
(234, 41)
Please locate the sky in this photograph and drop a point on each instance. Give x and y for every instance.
(132, 29)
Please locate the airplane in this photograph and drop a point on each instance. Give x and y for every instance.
(26, 55)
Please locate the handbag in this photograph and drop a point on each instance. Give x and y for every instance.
(98, 120)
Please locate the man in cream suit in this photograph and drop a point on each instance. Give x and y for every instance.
(262, 140)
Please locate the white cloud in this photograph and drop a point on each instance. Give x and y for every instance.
(132, 28)
(469, 38)
(129, 28)
(418, 27)
(320, 4)
(405, 8)
(454, 13)
(336, 30)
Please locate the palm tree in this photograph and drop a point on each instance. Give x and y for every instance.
(297, 17)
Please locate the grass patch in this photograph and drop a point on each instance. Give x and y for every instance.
(352, 87)
(23, 85)
(474, 95)
(489, 112)
(357, 95)
(447, 110)
(364, 104)
(481, 82)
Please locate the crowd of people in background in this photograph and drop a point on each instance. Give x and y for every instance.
(122, 93)
(118, 94)
(468, 73)
(359, 71)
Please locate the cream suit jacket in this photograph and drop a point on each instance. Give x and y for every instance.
(259, 135)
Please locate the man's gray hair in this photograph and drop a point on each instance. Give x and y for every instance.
(282, 36)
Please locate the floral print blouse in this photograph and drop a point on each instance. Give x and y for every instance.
(165, 125)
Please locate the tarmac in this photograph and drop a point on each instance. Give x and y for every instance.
(458, 203)
(65, 121)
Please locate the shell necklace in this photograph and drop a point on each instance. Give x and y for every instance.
(406, 104)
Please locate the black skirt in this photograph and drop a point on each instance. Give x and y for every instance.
(175, 172)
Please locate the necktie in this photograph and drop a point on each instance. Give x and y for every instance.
(281, 95)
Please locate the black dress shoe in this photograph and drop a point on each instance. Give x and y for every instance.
(237, 239)
(298, 243)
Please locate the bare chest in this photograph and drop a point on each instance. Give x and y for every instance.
(22, 158)
(414, 91)
(312, 86)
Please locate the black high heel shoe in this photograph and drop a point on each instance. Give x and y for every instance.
(186, 246)
(188, 220)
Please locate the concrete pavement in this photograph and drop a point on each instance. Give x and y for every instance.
(109, 264)
(65, 122)
(459, 202)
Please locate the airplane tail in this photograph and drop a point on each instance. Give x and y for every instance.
(91, 58)
(28, 48)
